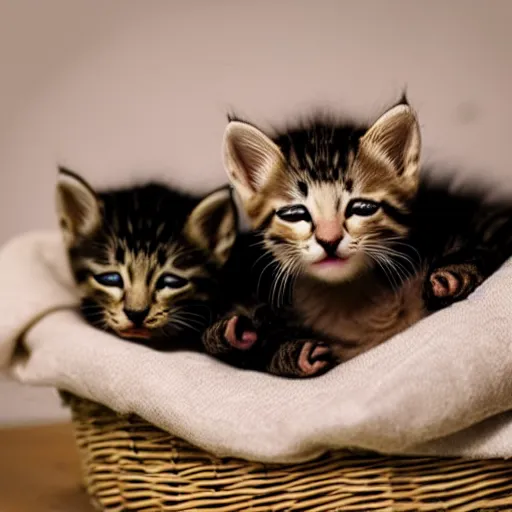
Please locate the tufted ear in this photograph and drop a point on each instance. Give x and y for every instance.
(249, 158)
(78, 206)
(395, 140)
(212, 225)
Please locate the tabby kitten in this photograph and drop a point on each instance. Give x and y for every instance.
(146, 259)
(371, 242)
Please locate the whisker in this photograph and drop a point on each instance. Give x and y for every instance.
(396, 255)
(382, 264)
(270, 264)
(183, 323)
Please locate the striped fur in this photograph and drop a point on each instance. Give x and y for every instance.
(422, 247)
(327, 168)
(146, 259)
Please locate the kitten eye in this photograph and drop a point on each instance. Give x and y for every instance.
(110, 279)
(170, 281)
(361, 207)
(294, 213)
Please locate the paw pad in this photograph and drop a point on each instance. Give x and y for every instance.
(314, 358)
(239, 333)
(444, 283)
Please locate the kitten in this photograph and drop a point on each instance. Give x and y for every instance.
(372, 243)
(146, 259)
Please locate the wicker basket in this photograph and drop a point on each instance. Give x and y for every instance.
(130, 465)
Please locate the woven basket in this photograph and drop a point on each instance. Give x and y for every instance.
(129, 464)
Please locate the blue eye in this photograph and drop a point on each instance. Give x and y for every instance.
(170, 281)
(110, 279)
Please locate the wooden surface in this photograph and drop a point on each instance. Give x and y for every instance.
(39, 471)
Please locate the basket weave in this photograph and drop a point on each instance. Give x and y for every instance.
(129, 464)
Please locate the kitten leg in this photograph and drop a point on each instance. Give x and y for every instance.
(244, 329)
(301, 358)
(213, 339)
(233, 332)
(451, 283)
(256, 343)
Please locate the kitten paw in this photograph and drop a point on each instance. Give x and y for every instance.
(444, 283)
(314, 358)
(240, 333)
(451, 283)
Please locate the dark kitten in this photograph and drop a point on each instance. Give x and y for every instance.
(371, 242)
(146, 259)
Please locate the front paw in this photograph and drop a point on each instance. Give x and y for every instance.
(444, 283)
(240, 333)
(451, 283)
(302, 359)
(314, 358)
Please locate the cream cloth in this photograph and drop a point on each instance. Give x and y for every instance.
(427, 391)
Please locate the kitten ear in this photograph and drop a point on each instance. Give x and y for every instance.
(78, 206)
(395, 140)
(249, 158)
(212, 225)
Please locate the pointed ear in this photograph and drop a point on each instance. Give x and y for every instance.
(212, 225)
(395, 140)
(249, 158)
(78, 207)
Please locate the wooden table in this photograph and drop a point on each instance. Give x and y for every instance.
(39, 470)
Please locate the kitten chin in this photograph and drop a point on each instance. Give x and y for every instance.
(337, 270)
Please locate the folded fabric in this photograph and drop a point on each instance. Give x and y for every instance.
(442, 388)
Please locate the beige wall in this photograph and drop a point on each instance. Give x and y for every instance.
(132, 89)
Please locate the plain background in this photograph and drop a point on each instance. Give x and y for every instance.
(129, 90)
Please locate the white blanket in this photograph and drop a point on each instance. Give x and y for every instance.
(443, 387)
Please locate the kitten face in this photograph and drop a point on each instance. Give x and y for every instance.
(139, 294)
(145, 259)
(327, 197)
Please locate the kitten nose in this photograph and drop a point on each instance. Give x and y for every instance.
(328, 231)
(329, 246)
(137, 316)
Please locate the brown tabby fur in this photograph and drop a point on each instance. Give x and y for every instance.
(421, 248)
(123, 244)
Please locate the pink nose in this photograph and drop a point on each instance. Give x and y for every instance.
(329, 231)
